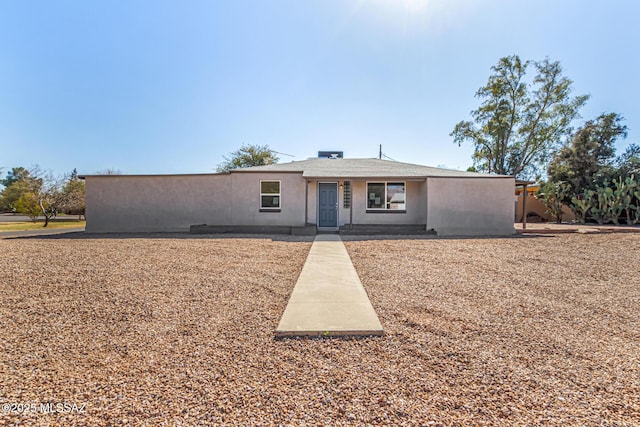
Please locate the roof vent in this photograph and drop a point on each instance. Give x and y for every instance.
(330, 154)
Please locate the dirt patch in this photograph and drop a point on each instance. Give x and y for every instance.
(180, 331)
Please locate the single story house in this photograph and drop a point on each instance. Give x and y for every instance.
(318, 194)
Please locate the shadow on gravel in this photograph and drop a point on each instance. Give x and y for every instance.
(81, 235)
(328, 337)
(362, 238)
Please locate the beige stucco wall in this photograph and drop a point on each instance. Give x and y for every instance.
(312, 188)
(246, 201)
(175, 202)
(415, 212)
(416, 205)
(471, 206)
(155, 203)
(453, 206)
(534, 205)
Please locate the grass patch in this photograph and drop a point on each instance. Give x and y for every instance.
(38, 225)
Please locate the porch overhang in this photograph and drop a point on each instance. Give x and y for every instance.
(524, 183)
(365, 178)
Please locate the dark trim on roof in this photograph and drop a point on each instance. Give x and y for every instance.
(161, 175)
(243, 170)
(150, 175)
(471, 176)
(524, 182)
(368, 178)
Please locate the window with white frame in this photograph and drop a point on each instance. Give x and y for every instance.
(386, 196)
(270, 195)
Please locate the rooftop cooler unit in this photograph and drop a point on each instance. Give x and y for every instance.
(330, 154)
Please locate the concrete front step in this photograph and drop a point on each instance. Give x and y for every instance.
(252, 229)
(328, 298)
(311, 230)
(369, 229)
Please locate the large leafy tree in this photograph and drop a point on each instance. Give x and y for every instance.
(629, 162)
(14, 175)
(589, 159)
(17, 182)
(10, 195)
(248, 155)
(520, 123)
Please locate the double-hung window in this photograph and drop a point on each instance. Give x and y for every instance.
(386, 196)
(269, 195)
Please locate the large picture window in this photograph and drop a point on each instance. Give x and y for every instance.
(270, 195)
(386, 196)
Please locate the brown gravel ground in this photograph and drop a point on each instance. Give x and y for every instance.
(179, 331)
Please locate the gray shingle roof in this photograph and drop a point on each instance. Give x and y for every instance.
(361, 168)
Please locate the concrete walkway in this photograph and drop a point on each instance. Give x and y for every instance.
(328, 298)
(40, 232)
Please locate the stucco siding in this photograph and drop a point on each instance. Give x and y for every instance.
(174, 203)
(156, 203)
(450, 206)
(534, 205)
(246, 199)
(471, 206)
(312, 204)
(415, 212)
(416, 205)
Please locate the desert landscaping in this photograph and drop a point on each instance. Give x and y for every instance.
(179, 330)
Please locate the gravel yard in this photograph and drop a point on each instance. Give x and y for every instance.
(180, 331)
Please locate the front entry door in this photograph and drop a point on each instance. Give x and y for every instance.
(327, 204)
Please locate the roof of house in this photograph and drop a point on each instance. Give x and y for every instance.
(361, 168)
(318, 168)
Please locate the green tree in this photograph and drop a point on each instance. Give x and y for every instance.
(18, 181)
(248, 155)
(28, 205)
(520, 123)
(588, 161)
(10, 195)
(14, 175)
(628, 163)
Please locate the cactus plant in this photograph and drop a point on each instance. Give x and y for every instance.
(601, 204)
(628, 189)
(607, 206)
(552, 194)
(636, 215)
(621, 197)
(581, 205)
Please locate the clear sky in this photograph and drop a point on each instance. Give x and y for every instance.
(172, 86)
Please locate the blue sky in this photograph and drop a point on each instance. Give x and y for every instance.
(171, 87)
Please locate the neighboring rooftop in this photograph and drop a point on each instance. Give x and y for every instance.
(361, 168)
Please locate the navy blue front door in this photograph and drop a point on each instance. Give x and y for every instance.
(327, 204)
